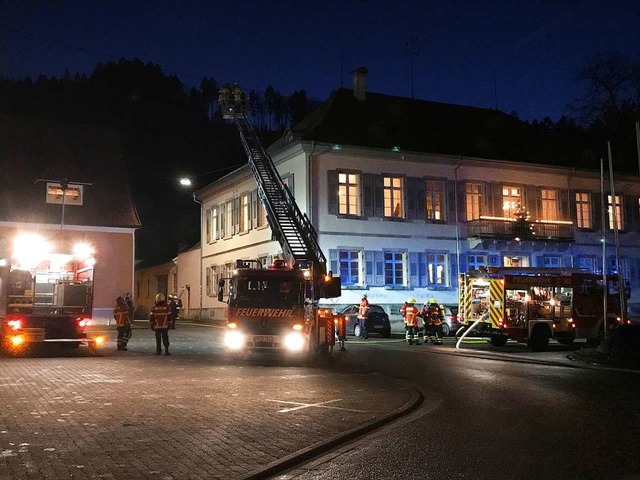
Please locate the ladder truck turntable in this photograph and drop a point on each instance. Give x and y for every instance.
(275, 309)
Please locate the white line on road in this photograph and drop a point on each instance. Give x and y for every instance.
(308, 405)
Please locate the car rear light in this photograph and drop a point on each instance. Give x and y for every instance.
(83, 322)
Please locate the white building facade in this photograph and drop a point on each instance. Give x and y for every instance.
(396, 224)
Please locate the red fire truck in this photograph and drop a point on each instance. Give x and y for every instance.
(534, 305)
(276, 308)
(46, 293)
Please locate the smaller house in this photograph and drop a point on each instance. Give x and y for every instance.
(66, 182)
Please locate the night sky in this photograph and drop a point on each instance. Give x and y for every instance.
(528, 50)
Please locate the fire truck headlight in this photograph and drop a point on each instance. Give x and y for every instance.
(17, 340)
(294, 342)
(233, 340)
(83, 250)
(297, 326)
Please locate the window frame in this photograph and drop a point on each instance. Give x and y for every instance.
(346, 279)
(474, 196)
(583, 205)
(619, 208)
(431, 195)
(399, 258)
(347, 185)
(388, 211)
(434, 285)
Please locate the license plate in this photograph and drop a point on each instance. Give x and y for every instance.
(263, 338)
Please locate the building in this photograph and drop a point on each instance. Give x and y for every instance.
(67, 182)
(404, 194)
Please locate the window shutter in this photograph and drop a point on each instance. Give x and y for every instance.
(367, 194)
(530, 198)
(369, 267)
(379, 266)
(630, 217)
(453, 269)
(254, 209)
(597, 211)
(494, 260)
(462, 203)
(333, 262)
(236, 215)
(450, 196)
(539, 260)
(410, 182)
(563, 206)
(421, 199)
(567, 261)
(463, 263)
(378, 196)
(414, 270)
(208, 225)
(422, 269)
(333, 192)
(572, 213)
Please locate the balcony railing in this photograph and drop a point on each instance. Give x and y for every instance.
(506, 229)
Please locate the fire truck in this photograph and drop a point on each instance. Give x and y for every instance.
(46, 293)
(276, 308)
(534, 305)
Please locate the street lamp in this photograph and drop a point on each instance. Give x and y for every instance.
(185, 182)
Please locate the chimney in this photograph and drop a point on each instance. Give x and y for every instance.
(359, 83)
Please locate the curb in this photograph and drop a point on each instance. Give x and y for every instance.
(324, 446)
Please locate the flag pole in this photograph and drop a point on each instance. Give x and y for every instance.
(614, 211)
(603, 240)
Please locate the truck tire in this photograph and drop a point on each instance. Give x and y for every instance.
(499, 340)
(539, 340)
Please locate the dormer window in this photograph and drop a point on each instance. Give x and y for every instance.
(72, 194)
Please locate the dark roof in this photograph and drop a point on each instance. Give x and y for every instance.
(32, 149)
(385, 121)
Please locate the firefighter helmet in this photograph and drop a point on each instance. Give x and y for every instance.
(364, 295)
(431, 301)
(160, 297)
(411, 300)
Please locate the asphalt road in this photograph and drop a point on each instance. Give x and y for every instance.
(486, 413)
(494, 418)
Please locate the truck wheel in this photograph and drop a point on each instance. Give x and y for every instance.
(539, 340)
(499, 340)
(357, 330)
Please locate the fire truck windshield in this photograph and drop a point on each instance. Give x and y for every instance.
(268, 291)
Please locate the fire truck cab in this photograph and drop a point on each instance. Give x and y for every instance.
(269, 309)
(534, 305)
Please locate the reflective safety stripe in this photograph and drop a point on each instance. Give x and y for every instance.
(496, 305)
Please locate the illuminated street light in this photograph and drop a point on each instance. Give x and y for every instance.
(186, 182)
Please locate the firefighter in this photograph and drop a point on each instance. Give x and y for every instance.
(123, 323)
(159, 320)
(411, 319)
(173, 312)
(363, 312)
(432, 317)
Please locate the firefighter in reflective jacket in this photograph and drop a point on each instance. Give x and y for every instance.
(159, 320)
(411, 319)
(363, 311)
(123, 323)
(432, 317)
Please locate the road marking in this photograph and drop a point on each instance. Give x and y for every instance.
(301, 405)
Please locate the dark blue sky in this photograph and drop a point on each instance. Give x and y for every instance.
(531, 48)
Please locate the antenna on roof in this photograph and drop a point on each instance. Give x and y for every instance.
(413, 49)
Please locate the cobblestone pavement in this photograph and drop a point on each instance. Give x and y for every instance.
(135, 415)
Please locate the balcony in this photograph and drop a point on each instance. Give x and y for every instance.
(505, 229)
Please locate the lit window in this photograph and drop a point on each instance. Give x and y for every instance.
(393, 197)
(515, 261)
(583, 210)
(394, 269)
(618, 217)
(511, 200)
(552, 261)
(436, 269)
(549, 204)
(72, 194)
(474, 200)
(435, 200)
(475, 261)
(349, 266)
(348, 194)
(245, 218)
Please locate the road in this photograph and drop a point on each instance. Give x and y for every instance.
(494, 418)
(194, 415)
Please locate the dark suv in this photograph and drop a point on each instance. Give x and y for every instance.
(377, 321)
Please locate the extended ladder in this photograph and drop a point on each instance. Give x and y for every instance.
(290, 227)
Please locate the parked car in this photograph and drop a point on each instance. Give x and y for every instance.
(377, 321)
(451, 322)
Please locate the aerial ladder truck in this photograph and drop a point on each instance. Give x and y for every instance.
(276, 308)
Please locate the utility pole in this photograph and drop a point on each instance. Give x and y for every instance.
(614, 213)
